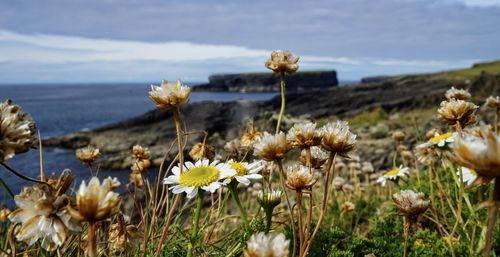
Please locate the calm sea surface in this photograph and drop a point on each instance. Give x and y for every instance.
(61, 109)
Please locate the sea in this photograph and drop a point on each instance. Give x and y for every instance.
(60, 109)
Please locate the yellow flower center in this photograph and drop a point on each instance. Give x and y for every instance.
(393, 172)
(199, 176)
(438, 138)
(240, 168)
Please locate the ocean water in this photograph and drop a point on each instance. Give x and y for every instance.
(61, 109)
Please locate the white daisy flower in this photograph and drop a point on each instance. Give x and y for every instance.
(202, 174)
(468, 175)
(394, 174)
(443, 140)
(245, 171)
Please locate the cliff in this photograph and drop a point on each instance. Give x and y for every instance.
(269, 82)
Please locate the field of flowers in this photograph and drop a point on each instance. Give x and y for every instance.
(292, 192)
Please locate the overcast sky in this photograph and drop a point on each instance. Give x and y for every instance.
(140, 40)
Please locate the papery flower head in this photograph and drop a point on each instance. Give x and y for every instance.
(460, 112)
(426, 153)
(393, 174)
(410, 203)
(367, 167)
(96, 201)
(318, 157)
(141, 159)
(269, 199)
(201, 151)
(282, 62)
(136, 179)
(457, 94)
(17, 130)
(304, 135)
(299, 177)
(245, 171)
(250, 137)
(338, 183)
(270, 245)
(481, 154)
(123, 238)
(169, 95)
(493, 102)
(203, 175)
(272, 147)
(88, 154)
(337, 138)
(348, 207)
(398, 136)
(140, 152)
(43, 215)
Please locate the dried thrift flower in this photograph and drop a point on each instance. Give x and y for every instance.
(17, 131)
(398, 136)
(410, 203)
(42, 215)
(282, 62)
(123, 238)
(426, 153)
(493, 102)
(96, 201)
(318, 157)
(140, 152)
(88, 154)
(457, 94)
(169, 95)
(337, 138)
(338, 183)
(202, 151)
(304, 135)
(250, 137)
(270, 245)
(348, 207)
(272, 147)
(136, 179)
(367, 167)
(200, 175)
(459, 112)
(299, 178)
(4, 213)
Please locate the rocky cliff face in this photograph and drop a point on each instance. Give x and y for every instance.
(269, 82)
(226, 121)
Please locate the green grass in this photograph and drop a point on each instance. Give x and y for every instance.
(474, 71)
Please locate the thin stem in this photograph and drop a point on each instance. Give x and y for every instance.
(407, 235)
(497, 114)
(298, 196)
(177, 120)
(269, 217)
(196, 223)
(292, 223)
(236, 199)
(91, 248)
(167, 225)
(492, 217)
(6, 187)
(7, 167)
(282, 111)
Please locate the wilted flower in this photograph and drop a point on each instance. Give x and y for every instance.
(250, 137)
(269, 199)
(459, 112)
(407, 155)
(410, 203)
(123, 238)
(17, 130)
(493, 102)
(270, 245)
(140, 152)
(233, 147)
(96, 201)
(348, 207)
(398, 136)
(481, 154)
(457, 94)
(202, 174)
(87, 154)
(426, 153)
(4, 213)
(394, 174)
(136, 179)
(318, 157)
(282, 62)
(202, 151)
(169, 95)
(304, 135)
(299, 178)
(337, 138)
(42, 215)
(272, 147)
(245, 171)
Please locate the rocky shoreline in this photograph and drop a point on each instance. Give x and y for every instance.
(226, 121)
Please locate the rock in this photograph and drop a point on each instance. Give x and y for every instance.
(269, 82)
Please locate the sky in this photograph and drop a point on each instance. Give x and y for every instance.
(74, 41)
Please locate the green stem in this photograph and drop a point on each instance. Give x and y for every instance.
(196, 222)
(282, 111)
(492, 217)
(269, 217)
(236, 199)
(6, 187)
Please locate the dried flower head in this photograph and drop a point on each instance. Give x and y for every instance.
(426, 153)
(123, 238)
(457, 94)
(270, 245)
(493, 102)
(398, 136)
(348, 207)
(4, 213)
(407, 156)
(272, 147)
(367, 167)
(337, 138)
(269, 199)
(136, 179)
(202, 151)
(338, 183)
(140, 159)
(318, 157)
(250, 137)
(283, 62)
(43, 215)
(299, 177)
(169, 95)
(96, 201)
(304, 135)
(458, 112)
(17, 131)
(233, 148)
(140, 152)
(481, 154)
(410, 203)
(88, 154)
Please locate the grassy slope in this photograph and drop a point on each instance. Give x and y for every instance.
(475, 70)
